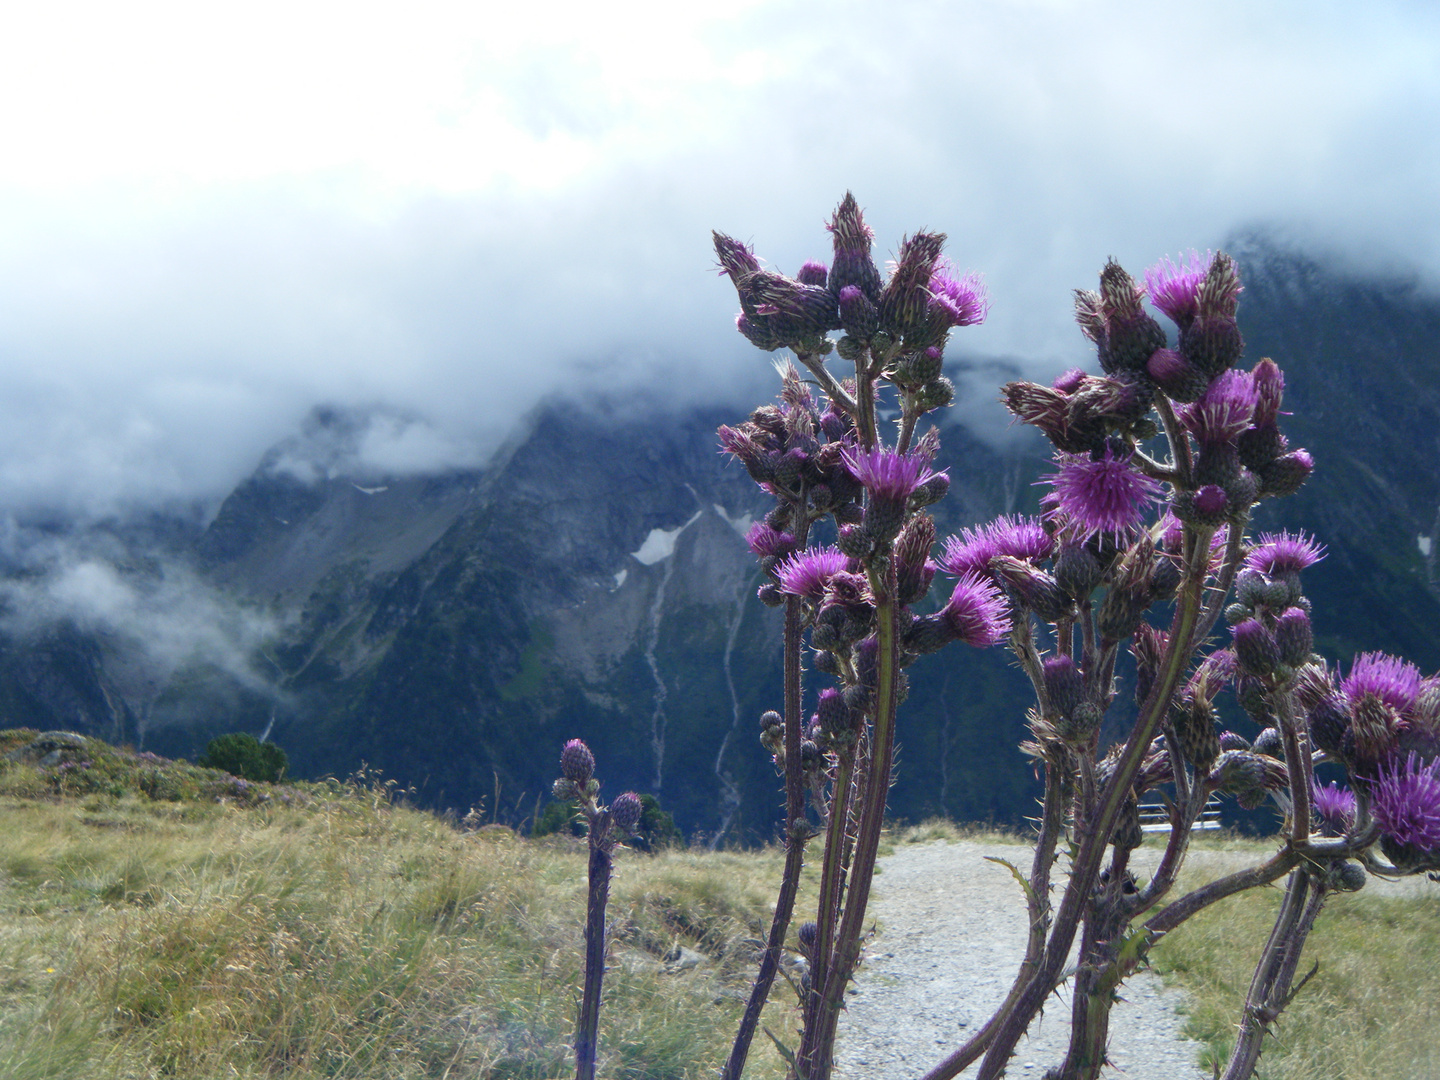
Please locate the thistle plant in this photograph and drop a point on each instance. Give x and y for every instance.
(607, 827)
(1142, 545)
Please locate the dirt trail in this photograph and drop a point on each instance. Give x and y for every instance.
(951, 934)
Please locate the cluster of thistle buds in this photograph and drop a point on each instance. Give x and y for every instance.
(608, 825)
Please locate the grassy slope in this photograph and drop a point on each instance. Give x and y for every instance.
(158, 920)
(341, 936)
(1372, 1010)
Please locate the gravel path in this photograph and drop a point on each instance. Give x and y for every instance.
(951, 934)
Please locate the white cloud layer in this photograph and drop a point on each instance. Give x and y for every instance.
(211, 221)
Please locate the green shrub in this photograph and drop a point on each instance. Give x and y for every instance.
(246, 757)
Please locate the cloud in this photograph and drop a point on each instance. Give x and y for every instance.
(152, 623)
(212, 222)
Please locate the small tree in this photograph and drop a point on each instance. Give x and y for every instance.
(247, 757)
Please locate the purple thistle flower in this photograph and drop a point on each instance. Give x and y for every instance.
(1405, 799)
(1281, 553)
(1019, 537)
(1067, 382)
(1335, 806)
(812, 273)
(1108, 495)
(959, 301)
(764, 540)
(887, 475)
(806, 573)
(1175, 288)
(977, 612)
(1394, 681)
(1224, 410)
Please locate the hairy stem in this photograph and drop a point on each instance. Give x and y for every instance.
(586, 1033)
(796, 833)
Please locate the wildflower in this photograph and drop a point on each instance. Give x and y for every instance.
(957, 301)
(1223, 411)
(626, 811)
(1107, 494)
(977, 614)
(1174, 287)
(806, 573)
(764, 540)
(1019, 537)
(1394, 681)
(891, 479)
(1281, 554)
(1335, 806)
(1405, 800)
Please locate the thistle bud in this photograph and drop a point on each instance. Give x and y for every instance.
(771, 719)
(1175, 375)
(935, 394)
(1294, 636)
(1255, 648)
(1373, 733)
(1346, 876)
(770, 595)
(1270, 743)
(1250, 693)
(807, 935)
(1032, 587)
(1194, 725)
(931, 491)
(928, 634)
(852, 264)
(1081, 724)
(859, 318)
(626, 810)
(854, 541)
(1064, 685)
(1328, 722)
(1286, 474)
(577, 763)
(563, 790)
(1077, 570)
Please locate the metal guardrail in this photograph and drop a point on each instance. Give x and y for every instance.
(1155, 819)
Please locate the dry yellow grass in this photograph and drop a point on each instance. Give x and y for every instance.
(349, 938)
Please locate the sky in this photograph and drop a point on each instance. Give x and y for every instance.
(214, 218)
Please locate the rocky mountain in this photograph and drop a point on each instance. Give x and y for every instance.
(453, 630)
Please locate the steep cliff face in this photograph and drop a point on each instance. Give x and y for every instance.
(455, 629)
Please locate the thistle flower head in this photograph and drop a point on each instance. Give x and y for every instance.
(885, 474)
(1394, 681)
(977, 612)
(764, 540)
(806, 573)
(1280, 554)
(1221, 288)
(1335, 806)
(1107, 494)
(1019, 537)
(577, 763)
(1405, 799)
(1224, 410)
(959, 301)
(626, 810)
(1174, 287)
(812, 273)
(852, 238)
(736, 259)
(1269, 390)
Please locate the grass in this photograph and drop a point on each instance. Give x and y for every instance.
(335, 934)
(1370, 1013)
(161, 920)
